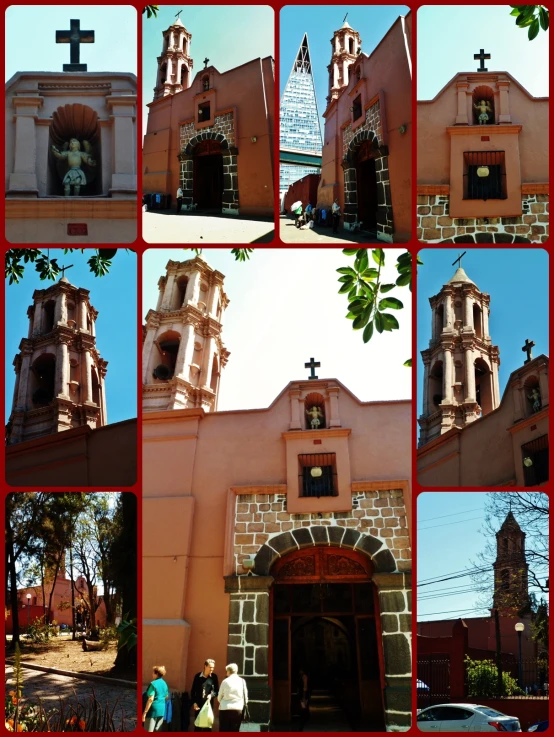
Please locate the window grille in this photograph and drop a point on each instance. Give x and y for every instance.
(317, 486)
(490, 187)
(535, 461)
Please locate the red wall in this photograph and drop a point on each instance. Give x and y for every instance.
(36, 613)
(304, 189)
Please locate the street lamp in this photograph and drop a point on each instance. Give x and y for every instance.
(519, 627)
(28, 597)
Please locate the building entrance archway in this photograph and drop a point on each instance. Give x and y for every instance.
(324, 620)
(208, 176)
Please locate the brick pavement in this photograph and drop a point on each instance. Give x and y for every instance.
(50, 687)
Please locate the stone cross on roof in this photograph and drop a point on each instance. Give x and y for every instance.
(459, 259)
(75, 37)
(482, 56)
(178, 14)
(206, 60)
(529, 345)
(312, 365)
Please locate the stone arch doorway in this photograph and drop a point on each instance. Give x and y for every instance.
(209, 172)
(324, 620)
(367, 194)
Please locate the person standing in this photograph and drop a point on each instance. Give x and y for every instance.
(204, 686)
(297, 214)
(309, 212)
(323, 217)
(304, 694)
(233, 699)
(179, 197)
(335, 213)
(156, 696)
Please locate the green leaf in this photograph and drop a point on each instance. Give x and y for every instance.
(361, 260)
(352, 294)
(387, 287)
(357, 305)
(408, 363)
(403, 280)
(379, 322)
(98, 265)
(350, 316)
(350, 251)
(368, 289)
(347, 270)
(389, 321)
(378, 256)
(544, 17)
(368, 332)
(534, 29)
(390, 303)
(515, 12)
(361, 320)
(346, 279)
(524, 21)
(345, 288)
(405, 258)
(369, 274)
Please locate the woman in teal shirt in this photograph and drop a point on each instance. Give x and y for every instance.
(158, 694)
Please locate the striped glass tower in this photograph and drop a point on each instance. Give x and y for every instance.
(300, 130)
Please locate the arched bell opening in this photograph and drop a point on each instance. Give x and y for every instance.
(168, 348)
(48, 309)
(478, 320)
(180, 292)
(74, 169)
(439, 320)
(214, 383)
(435, 385)
(95, 384)
(483, 386)
(42, 380)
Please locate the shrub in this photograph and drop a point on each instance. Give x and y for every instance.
(482, 680)
(40, 631)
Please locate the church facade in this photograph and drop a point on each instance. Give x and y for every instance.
(367, 154)
(482, 165)
(470, 434)
(71, 152)
(276, 538)
(210, 133)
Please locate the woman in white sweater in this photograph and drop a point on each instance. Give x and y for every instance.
(233, 698)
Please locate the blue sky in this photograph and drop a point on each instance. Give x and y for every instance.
(517, 281)
(449, 537)
(320, 22)
(229, 35)
(115, 298)
(115, 40)
(442, 53)
(284, 309)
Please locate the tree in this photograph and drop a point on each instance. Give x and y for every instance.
(48, 268)
(482, 680)
(124, 555)
(532, 17)
(151, 10)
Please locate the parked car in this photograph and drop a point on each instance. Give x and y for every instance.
(539, 726)
(465, 718)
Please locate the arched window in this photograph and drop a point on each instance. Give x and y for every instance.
(483, 385)
(350, 45)
(435, 385)
(181, 289)
(95, 387)
(43, 372)
(71, 313)
(215, 375)
(439, 320)
(168, 347)
(477, 320)
(48, 316)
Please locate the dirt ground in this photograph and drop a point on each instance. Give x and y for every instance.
(63, 653)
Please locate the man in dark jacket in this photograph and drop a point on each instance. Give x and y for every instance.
(204, 686)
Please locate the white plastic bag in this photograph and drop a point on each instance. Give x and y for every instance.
(205, 718)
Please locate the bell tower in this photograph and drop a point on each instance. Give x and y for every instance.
(511, 588)
(175, 63)
(60, 373)
(460, 382)
(346, 45)
(183, 352)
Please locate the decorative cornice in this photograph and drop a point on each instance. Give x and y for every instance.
(331, 432)
(437, 189)
(70, 208)
(474, 130)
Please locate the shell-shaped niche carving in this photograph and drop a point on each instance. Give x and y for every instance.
(74, 168)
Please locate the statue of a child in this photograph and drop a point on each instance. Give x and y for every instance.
(75, 176)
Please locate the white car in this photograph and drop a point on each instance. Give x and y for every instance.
(465, 718)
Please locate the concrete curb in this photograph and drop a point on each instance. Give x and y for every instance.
(82, 676)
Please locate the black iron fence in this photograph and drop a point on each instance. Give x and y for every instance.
(433, 680)
(528, 677)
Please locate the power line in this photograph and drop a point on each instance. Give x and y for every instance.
(453, 514)
(452, 611)
(450, 578)
(458, 522)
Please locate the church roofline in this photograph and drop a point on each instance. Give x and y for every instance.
(69, 77)
(485, 74)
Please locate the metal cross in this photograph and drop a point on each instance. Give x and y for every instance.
(206, 60)
(75, 37)
(459, 259)
(482, 56)
(63, 269)
(312, 365)
(529, 344)
(178, 14)
(345, 17)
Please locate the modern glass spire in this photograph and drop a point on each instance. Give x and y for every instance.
(299, 118)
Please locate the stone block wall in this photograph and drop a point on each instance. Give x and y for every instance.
(382, 514)
(371, 123)
(434, 224)
(223, 124)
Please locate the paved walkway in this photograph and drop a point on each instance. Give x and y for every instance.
(325, 716)
(168, 227)
(291, 234)
(51, 687)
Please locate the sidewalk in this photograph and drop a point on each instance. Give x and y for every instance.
(291, 234)
(166, 226)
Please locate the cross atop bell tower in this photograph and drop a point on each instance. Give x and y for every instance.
(59, 371)
(346, 45)
(460, 381)
(511, 587)
(175, 63)
(183, 353)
